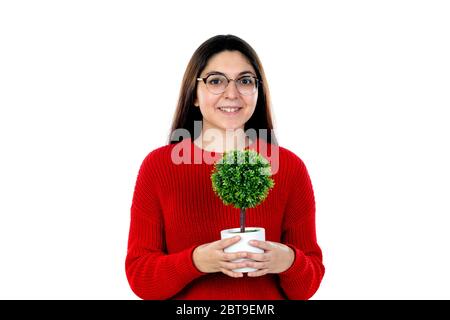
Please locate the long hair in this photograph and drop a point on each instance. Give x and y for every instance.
(186, 113)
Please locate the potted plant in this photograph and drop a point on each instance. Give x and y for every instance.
(242, 179)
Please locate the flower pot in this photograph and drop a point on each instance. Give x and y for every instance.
(251, 233)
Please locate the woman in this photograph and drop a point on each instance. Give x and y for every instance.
(173, 248)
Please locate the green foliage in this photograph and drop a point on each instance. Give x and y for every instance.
(242, 178)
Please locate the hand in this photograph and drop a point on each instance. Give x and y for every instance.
(276, 258)
(210, 258)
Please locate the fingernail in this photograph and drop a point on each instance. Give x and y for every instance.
(252, 242)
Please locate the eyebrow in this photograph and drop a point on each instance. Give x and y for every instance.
(240, 73)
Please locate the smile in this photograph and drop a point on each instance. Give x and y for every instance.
(230, 110)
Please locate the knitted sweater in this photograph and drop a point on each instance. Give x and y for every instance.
(174, 210)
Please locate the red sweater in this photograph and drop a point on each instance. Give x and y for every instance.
(175, 209)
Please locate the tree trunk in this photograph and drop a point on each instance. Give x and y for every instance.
(242, 219)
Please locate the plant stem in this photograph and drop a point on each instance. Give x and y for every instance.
(242, 219)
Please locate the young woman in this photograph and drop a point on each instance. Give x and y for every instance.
(174, 251)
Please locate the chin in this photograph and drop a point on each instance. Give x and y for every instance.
(233, 127)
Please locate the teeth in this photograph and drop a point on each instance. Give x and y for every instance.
(229, 109)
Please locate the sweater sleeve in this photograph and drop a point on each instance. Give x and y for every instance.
(303, 278)
(151, 272)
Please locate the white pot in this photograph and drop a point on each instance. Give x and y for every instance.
(251, 233)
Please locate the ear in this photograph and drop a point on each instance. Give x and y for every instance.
(196, 102)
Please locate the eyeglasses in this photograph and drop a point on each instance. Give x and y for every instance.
(217, 84)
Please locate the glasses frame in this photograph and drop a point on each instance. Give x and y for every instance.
(257, 81)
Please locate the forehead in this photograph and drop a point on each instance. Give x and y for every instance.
(229, 62)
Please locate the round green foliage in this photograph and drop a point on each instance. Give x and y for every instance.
(242, 178)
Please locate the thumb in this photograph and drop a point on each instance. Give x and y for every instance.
(222, 244)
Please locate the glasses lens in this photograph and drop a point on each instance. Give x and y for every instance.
(216, 83)
(246, 85)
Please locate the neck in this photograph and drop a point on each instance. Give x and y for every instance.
(216, 140)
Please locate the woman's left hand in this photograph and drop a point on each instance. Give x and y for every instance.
(276, 258)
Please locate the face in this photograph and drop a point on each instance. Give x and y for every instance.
(215, 108)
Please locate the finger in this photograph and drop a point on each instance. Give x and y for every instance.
(257, 265)
(258, 273)
(233, 256)
(261, 244)
(231, 273)
(232, 265)
(277, 245)
(222, 244)
(258, 256)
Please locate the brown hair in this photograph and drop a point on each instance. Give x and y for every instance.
(186, 113)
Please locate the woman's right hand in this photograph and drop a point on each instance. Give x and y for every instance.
(210, 257)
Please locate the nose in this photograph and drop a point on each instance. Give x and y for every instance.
(231, 90)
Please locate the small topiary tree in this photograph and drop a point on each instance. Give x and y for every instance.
(242, 179)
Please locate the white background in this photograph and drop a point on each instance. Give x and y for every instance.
(361, 92)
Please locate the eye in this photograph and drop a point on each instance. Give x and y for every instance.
(247, 81)
(215, 80)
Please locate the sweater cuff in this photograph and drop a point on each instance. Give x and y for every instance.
(298, 264)
(188, 267)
